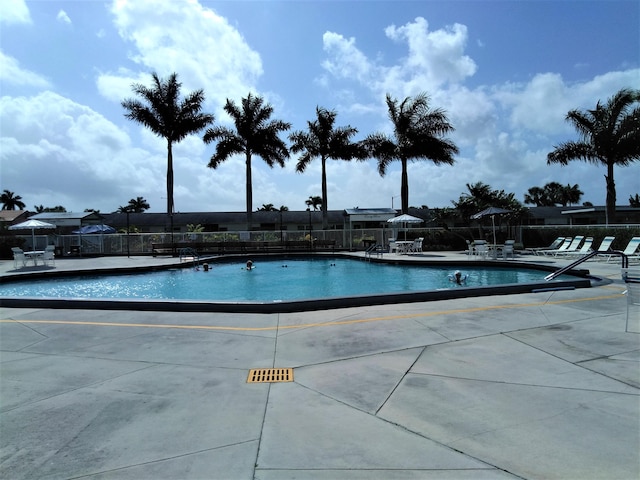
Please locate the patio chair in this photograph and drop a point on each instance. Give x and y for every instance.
(18, 257)
(480, 249)
(469, 250)
(554, 245)
(416, 247)
(508, 249)
(49, 255)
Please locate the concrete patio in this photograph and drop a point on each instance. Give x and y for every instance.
(536, 385)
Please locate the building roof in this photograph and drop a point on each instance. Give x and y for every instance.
(69, 219)
(300, 217)
(12, 215)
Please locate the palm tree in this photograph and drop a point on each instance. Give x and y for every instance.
(314, 201)
(136, 205)
(254, 134)
(161, 111)
(324, 141)
(609, 135)
(11, 201)
(418, 135)
(267, 207)
(537, 196)
(570, 194)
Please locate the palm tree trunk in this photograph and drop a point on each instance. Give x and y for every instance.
(404, 188)
(249, 191)
(169, 178)
(611, 193)
(325, 217)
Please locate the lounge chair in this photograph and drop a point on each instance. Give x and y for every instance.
(572, 247)
(604, 247)
(563, 247)
(18, 257)
(554, 245)
(631, 250)
(583, 251)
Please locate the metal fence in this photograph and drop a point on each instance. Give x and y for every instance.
(356, 239)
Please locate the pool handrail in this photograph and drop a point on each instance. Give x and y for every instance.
(625, 263)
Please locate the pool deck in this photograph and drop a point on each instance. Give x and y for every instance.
(532, 385)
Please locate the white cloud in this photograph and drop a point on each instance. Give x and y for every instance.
(12, 73)
(346, 60)
(62, 17)
(542, 104)
(435, 57)
(183, 36)
(70, 149)
(14, 12)
(117, 86)
(504, 131)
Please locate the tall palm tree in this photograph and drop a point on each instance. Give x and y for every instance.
(11, 201)
(324, 141)
(609, 135)
(255, 134)
(161, 110)
(418, 132)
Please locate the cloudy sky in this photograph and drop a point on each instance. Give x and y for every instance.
(506, 72)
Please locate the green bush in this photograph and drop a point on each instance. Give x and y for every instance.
(7, 242)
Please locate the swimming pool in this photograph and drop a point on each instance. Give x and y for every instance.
(279, 284)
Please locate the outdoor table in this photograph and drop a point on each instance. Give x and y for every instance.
(34, 255)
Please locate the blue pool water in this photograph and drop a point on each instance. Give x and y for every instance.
(270, 280)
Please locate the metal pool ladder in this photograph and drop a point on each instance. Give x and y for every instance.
(189, 254)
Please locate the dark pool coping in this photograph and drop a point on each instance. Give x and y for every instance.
(583, 280)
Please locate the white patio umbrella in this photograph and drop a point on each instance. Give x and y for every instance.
(403, 220)
(32, 225)
(492, 211)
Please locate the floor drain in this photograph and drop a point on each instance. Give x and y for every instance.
(270, 375)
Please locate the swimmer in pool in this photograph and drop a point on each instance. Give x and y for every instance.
(458, 278)
(249, 264)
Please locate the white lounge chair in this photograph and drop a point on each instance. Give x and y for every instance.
(631, 250)
(19, 257)
(571, 247)
(604, 247)
(562, 247)
(583, 251)
(554, 245)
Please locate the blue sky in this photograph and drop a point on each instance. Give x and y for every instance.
(506, 72)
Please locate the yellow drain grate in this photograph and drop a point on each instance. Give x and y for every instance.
(270, 375)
